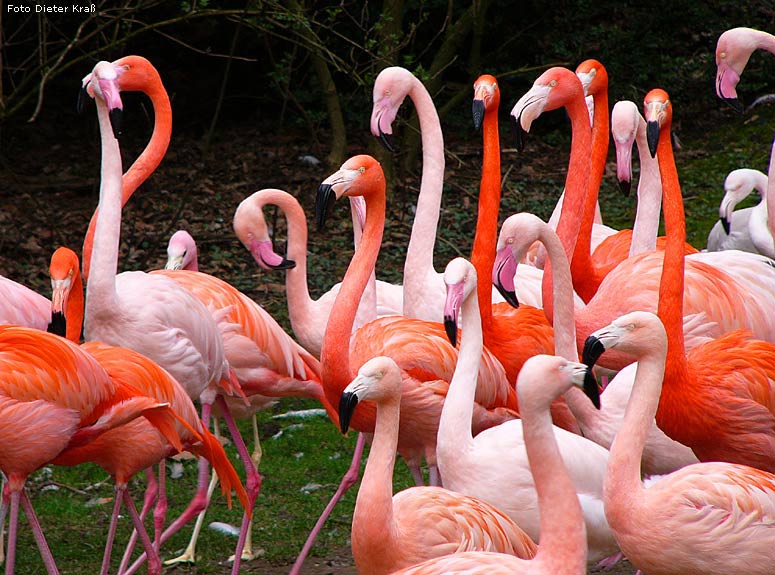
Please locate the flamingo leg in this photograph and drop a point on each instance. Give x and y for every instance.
(348, 480)
(151, 492)
(253, 479)
(13, 522)
(3, 511)
(40, 539)
(247, 552)
(154, 561)
(112, 529)
(160, 511)
(197, 505)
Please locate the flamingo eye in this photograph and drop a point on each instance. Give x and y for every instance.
(510, 241)
(553, 83)
(361, 169)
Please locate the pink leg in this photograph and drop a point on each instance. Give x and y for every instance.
(40, 539)
(151, 492)
(253, 479)
(349, 479)
(112, 530)
(154, 561)
(160, 511)
(198, 503)
(13, 522)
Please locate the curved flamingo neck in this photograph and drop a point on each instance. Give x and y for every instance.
(102, 283)
(581, 263)
(335, 353)
(483, 252)
(146, 163)
(419, 253)
(646, 226)
(671, 285)
(563, 540)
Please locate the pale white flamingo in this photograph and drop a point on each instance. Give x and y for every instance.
(745, 229)
(493, 465)
(687, 522)
(733, 49)
(308, 317)
(182, 253)
(394, 531)
(562, 548)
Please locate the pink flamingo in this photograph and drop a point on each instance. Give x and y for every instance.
(394, 531)
(661, 454)
(562, 549)
(308, 317)
(56, 397)
(125, 451)
(717, 398)
(182, 252)
(492, 465)
(733, 49)
(685, 522)
(744, 229)
(741, 283)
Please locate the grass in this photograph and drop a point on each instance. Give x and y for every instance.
(304, 459)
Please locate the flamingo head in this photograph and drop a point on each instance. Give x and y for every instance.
(658, 113)
(553, 89)
(181, 252)
(544, 378)
(593, 76)
(252, 230)
(64, 271)
(460, 279)
(625, 119)
(733, 49)
(379, 379)
(737, 186)
(487, 96)
(103, 83)
(631, 333)
(358, 176)
(390, 88)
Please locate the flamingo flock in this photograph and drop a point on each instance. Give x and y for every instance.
(472, 375)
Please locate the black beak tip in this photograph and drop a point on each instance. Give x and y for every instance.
(593, 349)
(477, 109)
(735, 104)
(347, 404)
(508, 295)
(58, 324)
(591, 389)
(323, 201)
(652, 137)
(726, 225)
(286, 264)
(115, 121)
(388, 141)
(83, 95)
(450, 326)
(521, 136)
(625, 186)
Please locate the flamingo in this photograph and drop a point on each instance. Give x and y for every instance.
(686, 522)
(393, 531)
(137, 445)
(511, 335)
(137, 74)
(182, 253)
(744, 229)
(149, 313)
(492, 465)
(731, 289)
(423, 285)
(660, 454)
(308, 317)
(733, 49)
(562, 548)
(56, 397)
(717, 398)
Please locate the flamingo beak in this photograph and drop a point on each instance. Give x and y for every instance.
(652, 136)
(347, 404)
(503, 275)
(265, 256)
(323, 202)
(477, 108)
(725, 224)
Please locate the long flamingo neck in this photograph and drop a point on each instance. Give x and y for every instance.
(770, 194)
(419, 254)
(646, 226)
(75, 309)
(373, 516)
(102, 283)
(456, 415)
(622, 483)
(335, 353)
(600, 131)
(671, 285)
(483, 252)
(146, 162)
(563, 539)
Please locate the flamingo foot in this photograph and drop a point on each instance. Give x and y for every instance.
(610, 561)
(186, 557)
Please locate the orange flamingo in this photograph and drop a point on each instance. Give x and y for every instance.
(125, 451)
(308, 317)
(718, 398)
(686, 522)
(138, 74)
(511, 335)
(57, 397)
(394, 531)
(562, 549)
